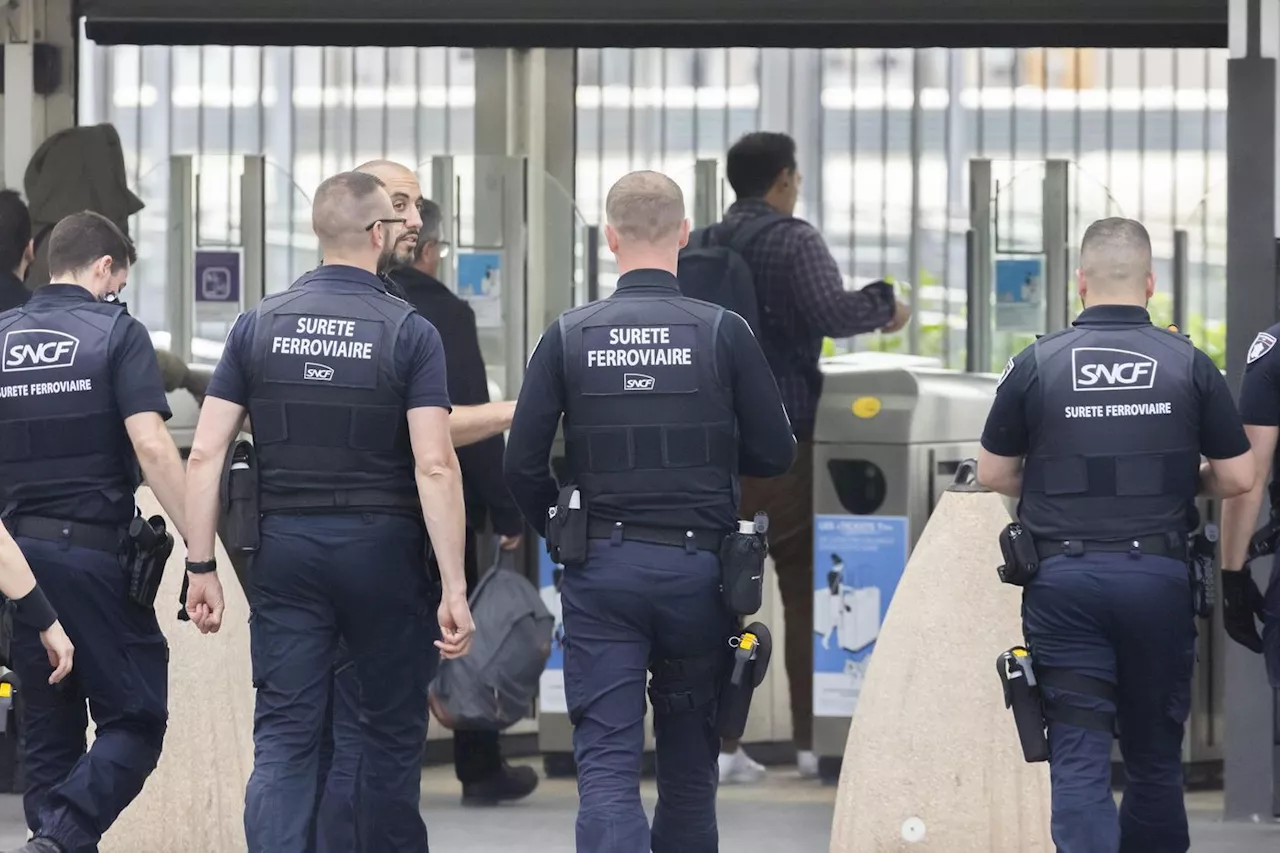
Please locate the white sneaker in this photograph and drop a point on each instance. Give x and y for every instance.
(739, 768)
(808, 764)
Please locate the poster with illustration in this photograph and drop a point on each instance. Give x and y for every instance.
(858, 561)
(551, 686)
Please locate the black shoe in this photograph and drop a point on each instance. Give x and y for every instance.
(40, 845)
(508, 784)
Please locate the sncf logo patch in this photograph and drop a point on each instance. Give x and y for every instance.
(38, 349)
(317, 372)
(637, 382)
(1105, 369)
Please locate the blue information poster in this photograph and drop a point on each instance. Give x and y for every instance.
(858, 561)
(480, 283)
(1019, 294)
(551, 686)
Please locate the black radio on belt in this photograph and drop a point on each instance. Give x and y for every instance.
(1021, 561)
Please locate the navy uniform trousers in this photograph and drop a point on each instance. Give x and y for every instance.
(318, 580)
(1128, 621)
(122, 672)
(627, 604)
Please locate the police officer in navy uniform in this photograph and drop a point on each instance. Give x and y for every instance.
(82, 407)
(1243, 604)
(665, 400)
(345, 385)
(1099, 429)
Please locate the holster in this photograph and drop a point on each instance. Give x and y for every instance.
(1022, 695)
(749, 665)
(567, 527)
(240, 521)
(1021, 562)
(149, 547)
(742, 572)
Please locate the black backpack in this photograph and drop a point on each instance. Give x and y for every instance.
(713, 269)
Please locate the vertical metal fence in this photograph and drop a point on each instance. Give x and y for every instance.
(884, 138)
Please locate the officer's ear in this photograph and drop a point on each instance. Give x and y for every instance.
(611, 238)
(684, 233)
(1151, 285)
(1082, 287)
(29, 253)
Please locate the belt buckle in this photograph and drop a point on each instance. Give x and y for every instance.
(690, 542)
(615, 536)
(1072, 548)
(1135, 549)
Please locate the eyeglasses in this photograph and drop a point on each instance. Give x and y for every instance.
(401, 220)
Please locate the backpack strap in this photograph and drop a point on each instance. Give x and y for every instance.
(748, 231)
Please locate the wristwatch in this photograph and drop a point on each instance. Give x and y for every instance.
(203, 567)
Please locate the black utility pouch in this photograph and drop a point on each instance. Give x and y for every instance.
(150, 545)
(1021, 562)
(567, 527)
(241, 516)
(742, 556)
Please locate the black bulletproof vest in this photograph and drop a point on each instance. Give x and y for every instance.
(1116, 453)
(61, 433)
(327, 405)
(650, 430)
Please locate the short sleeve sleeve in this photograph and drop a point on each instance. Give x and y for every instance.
(1007, 432)
(425, 369)
(139, 387)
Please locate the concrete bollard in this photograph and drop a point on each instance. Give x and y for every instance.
(933, 762)
(194, 801)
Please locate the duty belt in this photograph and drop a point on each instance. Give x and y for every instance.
(702, 540)
(1157, 545)
(95, 537)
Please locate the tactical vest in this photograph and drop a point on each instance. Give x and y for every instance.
(327, 405)
(649, 423)
(61, 433)
(1116, 454)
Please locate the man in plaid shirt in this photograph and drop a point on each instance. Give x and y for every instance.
(802, 299)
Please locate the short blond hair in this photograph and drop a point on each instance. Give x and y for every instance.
(647, 207)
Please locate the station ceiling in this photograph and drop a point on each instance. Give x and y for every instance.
(662, 23)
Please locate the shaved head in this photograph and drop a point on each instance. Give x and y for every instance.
(1115, 260)
(406, 199)
(645, 207)
(345, 214)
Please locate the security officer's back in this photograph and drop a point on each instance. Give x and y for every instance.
(1112, 416)
(81, 408)
(345, 385)
(665, 399)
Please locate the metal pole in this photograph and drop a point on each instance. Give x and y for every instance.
(182, 260)
(706, 193)
(593, 263)
(1056, 274)
(253, 229)
(1181, 278)
(515, 307)
(444, 194)
(977, 357)
(913, 237)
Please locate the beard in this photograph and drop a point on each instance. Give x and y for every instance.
(387, 260)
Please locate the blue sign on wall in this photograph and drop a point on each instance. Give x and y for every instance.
(858, 561)
(1020, 294)
(218, 275)
(551, 686)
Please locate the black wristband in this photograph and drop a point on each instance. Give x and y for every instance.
(203, 567)
(34, 610)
